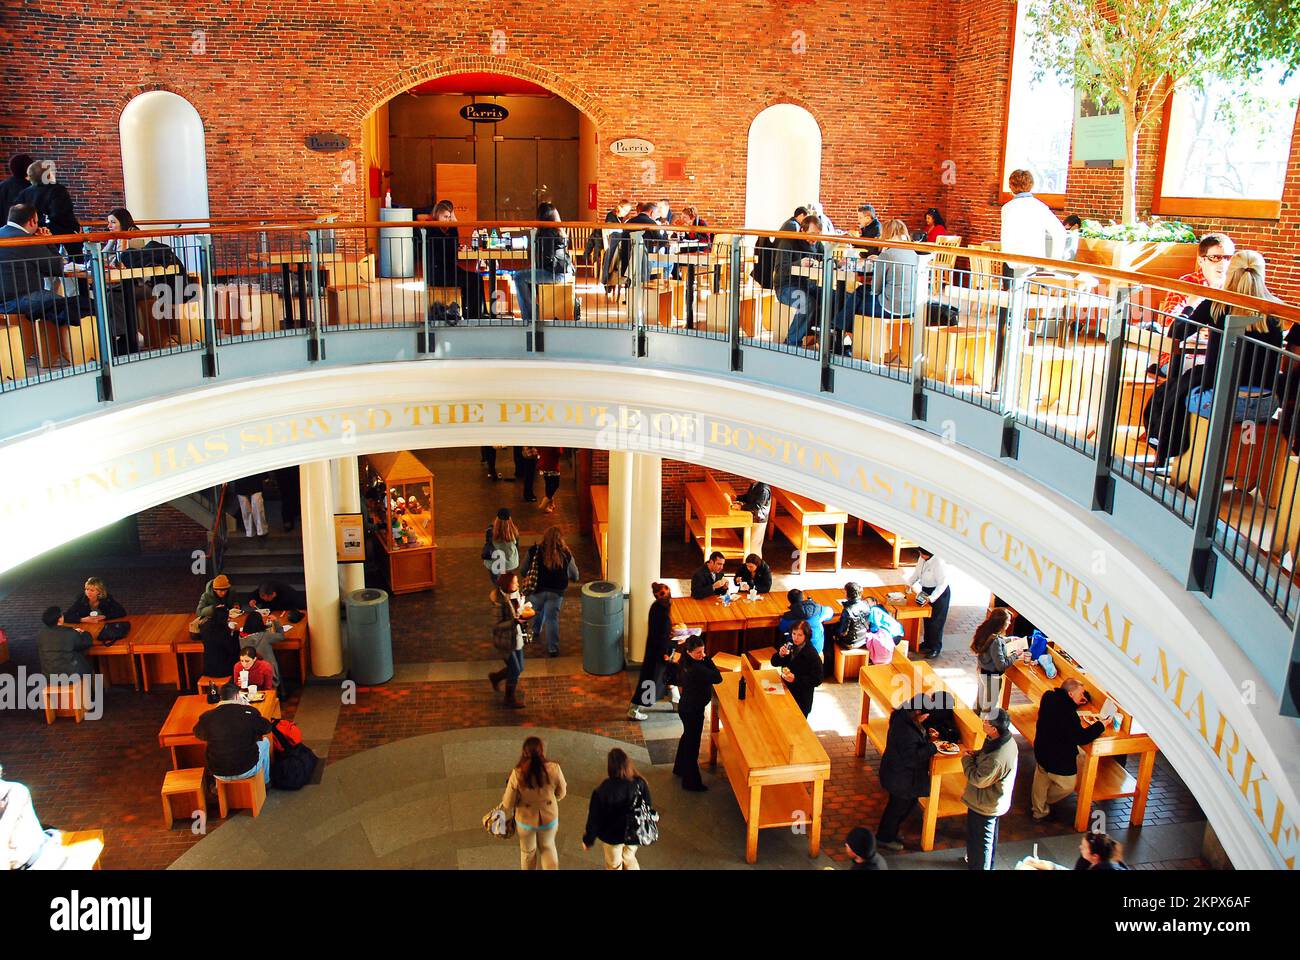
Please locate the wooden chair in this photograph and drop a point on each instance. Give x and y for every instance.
(182, 794)
(941, 267)
(247, 794)
(13, 355)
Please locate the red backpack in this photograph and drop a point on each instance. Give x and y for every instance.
(285, 734)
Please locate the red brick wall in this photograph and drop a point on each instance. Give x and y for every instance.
(164, 529)
(676, 474)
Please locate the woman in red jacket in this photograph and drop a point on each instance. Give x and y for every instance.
(251, 670)
(935, 226)
(548, 465)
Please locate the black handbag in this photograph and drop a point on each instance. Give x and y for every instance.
(113, 632)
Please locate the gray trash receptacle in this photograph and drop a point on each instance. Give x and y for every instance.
(396, 244)
(602, 628)
(370, 638)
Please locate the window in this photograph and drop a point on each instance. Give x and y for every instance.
(1040, 113)
(1227, 146)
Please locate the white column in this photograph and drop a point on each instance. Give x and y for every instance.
(643, 564)
(347, 499)
(620, 516)
(321, 568)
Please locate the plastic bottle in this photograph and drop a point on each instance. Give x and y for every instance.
(388, 199)
(741, 692)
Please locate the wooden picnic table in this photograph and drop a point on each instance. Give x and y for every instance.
(177, 733)
(1101, 776)
(802, 525)
(889, 685)
(770, 755)
(710, 519)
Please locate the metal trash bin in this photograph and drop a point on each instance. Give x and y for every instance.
(396, 244)
(370, 637)
(602, 628)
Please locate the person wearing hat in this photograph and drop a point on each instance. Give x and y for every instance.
(662, 638)
(215, 594)
(697, 675)
(860, 845)
(905, 764)
(501, 545)
(801, 669)
(990, 777)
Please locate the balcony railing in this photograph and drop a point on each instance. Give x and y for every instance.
(1200, 418)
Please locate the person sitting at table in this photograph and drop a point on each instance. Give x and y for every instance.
(695, 221)
(860, 845)
(758, 501)
(800, 666)
(709, 580)
(800, 293)
(1073, 228)
(864, 621)
(275, 595)
(869, 228)
(17, 182)
(550, 258)
(442, 246)
(809, 610)
(891, 292)
(235, 734)
(94, 604)
(616, 248)
(905, 767)
(935, 225)
(929, 582)
(24, 270)
(251, 670)
(1056, 745)
(216, 594)
(60, 648)
(122, 296)
(990, 647)
(262, 635)
(1100, 851)
(1214, 252)
(990, 777)
(756, 575)
(220, 644)
(652, 241)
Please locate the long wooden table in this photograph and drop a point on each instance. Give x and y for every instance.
(888, 685)
(710, 520)
(770, 754)
(802, 525)
(1101, 776)
(177, 733)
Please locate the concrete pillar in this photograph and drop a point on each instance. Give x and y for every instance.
(347, 499)
(620, 516)
(643, 564)
(321, 568)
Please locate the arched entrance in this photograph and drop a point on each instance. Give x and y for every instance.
(784, 164)
(164, 158)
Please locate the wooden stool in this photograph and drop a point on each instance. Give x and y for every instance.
(182, 794)
(347, 304)
(246, 794)
(63, 700)
(761, 659)
(850, 660)
(13, 355)
(555, 300)
(83, 848)
(202, 685)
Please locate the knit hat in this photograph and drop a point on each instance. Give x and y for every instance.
(1000, 719)
(862, 842)
(221, 582)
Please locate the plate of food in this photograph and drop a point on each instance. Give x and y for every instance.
(895, 596)
(527, 613)
(257, 697)
(947, 747)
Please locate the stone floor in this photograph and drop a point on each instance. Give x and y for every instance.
(409, 764)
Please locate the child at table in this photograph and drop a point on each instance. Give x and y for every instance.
(252, 670)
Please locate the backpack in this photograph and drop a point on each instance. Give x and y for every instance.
(881, 645)
(289, 734)
(941, 314)
(764, 262)
(528, 585)
(486, 554)
(294, 763)
(642, 820)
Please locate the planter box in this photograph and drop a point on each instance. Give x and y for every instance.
(1171, 260)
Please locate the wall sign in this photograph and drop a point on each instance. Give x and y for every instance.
(349, 537)
(327, 142)
(631, 147)
(484, 112)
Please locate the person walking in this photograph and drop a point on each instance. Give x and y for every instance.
(533, 794)
(501, 545)
(1056, 745)
(509, 634)
(553, 568)
(905, 767)
(990, 646)
(758, 501)
(548, 464)
(252, 506)
(929, 581)
(697, 676)
(990, 777)
(659, 645)
(526, 470)
(610, 811)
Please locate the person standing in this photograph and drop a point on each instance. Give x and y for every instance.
(1056, 745)
(556, 569)
(94, 604)
(533, 794)
(697, 676)
(990, 645)
(610, 810)
(758, 501)
(220, 644)
(800, 666)
(61, 648)
(904, 768)
(501, 545)
(509, 634)
(929, 582)
(288, 482)
(990, 777)
(860, 845)
(252, 506)
(548, 464)
(526, 470)
(659, 646)
(17, 182)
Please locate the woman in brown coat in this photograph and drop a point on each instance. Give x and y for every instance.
(533, 794)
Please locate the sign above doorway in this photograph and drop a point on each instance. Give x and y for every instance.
(484, 112)
(631, 147)
(327, 142)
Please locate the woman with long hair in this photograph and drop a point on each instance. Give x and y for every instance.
(509, 633)
(548, 465)
(501, 545)
(990, 645)
(533, 794)
(608, 813)
(935, 225)
(555, 570)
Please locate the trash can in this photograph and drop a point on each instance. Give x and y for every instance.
(396, 244)
(370, 638)
(602, 628)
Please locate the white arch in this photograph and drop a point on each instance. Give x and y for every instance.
(164, 158)
(783, 166)
(1159, 651)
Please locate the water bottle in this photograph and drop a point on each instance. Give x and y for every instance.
(473, 240)
(213, 695)
(388, 199)
(741, 693)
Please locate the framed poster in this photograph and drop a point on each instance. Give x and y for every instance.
(1098, 130)
(350, 537)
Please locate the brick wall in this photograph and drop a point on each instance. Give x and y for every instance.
(676, 474)
(164, 529)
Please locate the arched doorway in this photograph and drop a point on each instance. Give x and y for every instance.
(784, 164)
(164, 158)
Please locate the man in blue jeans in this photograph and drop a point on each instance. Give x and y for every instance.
(236, 737)
(990, 777)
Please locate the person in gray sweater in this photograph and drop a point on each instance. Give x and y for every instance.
(990, 777)
(261, 635)
(892, 286)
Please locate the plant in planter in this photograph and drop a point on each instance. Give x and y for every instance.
(1133, 54)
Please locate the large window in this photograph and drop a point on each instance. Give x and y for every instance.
(1039, 116)
(1227, 147)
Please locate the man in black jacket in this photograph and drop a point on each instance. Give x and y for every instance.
(652, 240)
(709, 580)
(236, 737)
(758, 501)
(61, 648)
(24, 270)
(52, 202)
(274, 595)
(697, 676)
(1057, 743)
(17, 182)
(801, 669)
(905, 765)
(756, 574)
(868, 228)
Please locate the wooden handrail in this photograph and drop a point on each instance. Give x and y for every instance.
(1279, 309)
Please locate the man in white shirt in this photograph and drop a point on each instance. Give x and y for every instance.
(929, 581)
(23, 843)
(1028, 224)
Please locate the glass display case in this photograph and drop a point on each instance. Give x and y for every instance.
(399, 503)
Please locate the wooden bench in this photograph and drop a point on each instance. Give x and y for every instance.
(849, 662)
(600, 524)
(761, 658)
(182, 795)
(713, 523)
(728, 662)
(897, 542)
(247, 794)
(802, 524)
